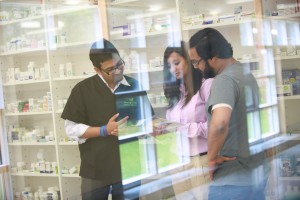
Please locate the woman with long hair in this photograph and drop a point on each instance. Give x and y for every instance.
(187, 91)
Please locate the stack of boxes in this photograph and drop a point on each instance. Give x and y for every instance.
(284, 9)
(14, 75)
(201, 19)
(291, 83)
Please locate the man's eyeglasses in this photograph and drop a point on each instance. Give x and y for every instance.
(112, 69)
(195, 63)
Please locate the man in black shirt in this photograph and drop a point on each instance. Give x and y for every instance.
(91, 115)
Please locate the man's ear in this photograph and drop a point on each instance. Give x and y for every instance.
(97, 69)
(211, 61)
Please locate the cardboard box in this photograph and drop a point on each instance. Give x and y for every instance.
(193, 20)
(227, 18)
(292, 77)
(284, 90)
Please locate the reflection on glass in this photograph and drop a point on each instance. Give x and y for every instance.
(265, 121)
(167, 150)
(250, 125)
(133, 159)
(44, 37)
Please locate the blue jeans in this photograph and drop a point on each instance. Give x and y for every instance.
(231, 192)
(93, 190)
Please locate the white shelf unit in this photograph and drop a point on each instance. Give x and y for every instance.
(70, 175)
(286, 182)
(80, 24)
(148, 43)
(28, 113)
(33, 144)
(293, 97)
(20, 20)
(34, 174)
(26, 82)
(24, 51)
(288, 104)
(79, 77)
(218, 25)
(142, 35)
(283, 38)
(240, 34)
(58, 43)
(284, 17)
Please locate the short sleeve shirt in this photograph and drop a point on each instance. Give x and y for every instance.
(229, 88)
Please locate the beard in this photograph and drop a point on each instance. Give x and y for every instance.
(208, 71)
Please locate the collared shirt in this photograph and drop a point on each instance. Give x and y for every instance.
(193, 115)
(75, 130)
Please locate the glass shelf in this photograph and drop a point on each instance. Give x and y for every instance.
(32, 144)
(71, 175)
(29, 113)
(26, 82)
(215, 25)
(3, 23)
(34, 174)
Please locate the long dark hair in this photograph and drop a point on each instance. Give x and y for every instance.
(192, 81)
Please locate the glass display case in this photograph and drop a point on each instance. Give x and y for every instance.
(44, 49)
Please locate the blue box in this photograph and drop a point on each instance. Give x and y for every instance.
(292, 77)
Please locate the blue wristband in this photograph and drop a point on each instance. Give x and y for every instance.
(103, 131)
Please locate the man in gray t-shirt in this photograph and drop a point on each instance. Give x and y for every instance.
(235, 173)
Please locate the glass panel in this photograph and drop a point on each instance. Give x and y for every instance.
(45, 67)
(167, 150)
(250, 124)
(133, 159)
(266, 125)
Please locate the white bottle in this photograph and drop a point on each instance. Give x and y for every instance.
(30, 196)
(47, 167)
(55, 196)
(54, 168)
(51, 136)
(37, 73)
(17, 74)
(36, 196)
(63, 38)
(31, 104)
(32, 167)
(17, 196)
(37, 167)
(42, 166)
(42, 73)
(135, 60)
(31, 70)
